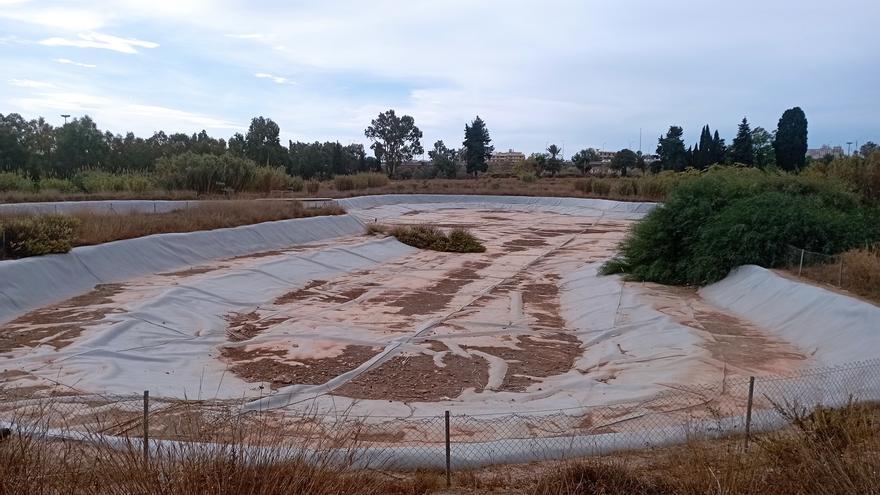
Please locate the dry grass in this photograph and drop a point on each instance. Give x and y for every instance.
(859, 273)
(98, 228)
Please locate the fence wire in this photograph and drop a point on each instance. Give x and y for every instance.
(853, 270)
(467, 440)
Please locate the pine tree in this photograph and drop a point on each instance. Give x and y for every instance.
(742, 150)
(671, 150)
(476, 146)
(703, 150)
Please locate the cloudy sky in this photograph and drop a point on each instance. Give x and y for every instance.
(580, 72)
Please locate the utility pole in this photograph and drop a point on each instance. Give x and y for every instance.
(65, 115)
(848, 148)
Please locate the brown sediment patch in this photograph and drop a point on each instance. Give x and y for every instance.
(550, 233)
(261, 254)
(301, 293)
(265, 365)
(739, 344)
(536, 356)
(345, 296)
(522, 244)
(418, 379)
(411, 213)
(245, 326)
(60, 324)
(436, 297)
(192, 271)
(541, 300)
(496, 218)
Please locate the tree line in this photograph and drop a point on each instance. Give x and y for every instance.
(38, 149)
(785, 148)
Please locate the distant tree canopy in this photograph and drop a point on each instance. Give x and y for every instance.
(443, 159)
(623, 160)
(762, 145)
(791, 140)
(670, 149)
(476, 147)
(395, 139)
(584, 159)
(554, 164)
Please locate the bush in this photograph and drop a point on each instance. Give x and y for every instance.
(295, 184)
(861, 175)
(731, 217)
(584, 186)
(528, 177)
(60, 185)
(95, 181)
(11, 181)
(625, 187)
(268, 179)
(206, 173)
(313, 186)
(36, 235)
(343, 183)
(601, 187)
(430, 237)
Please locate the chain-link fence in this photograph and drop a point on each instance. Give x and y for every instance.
(448, 441)
(856, 270)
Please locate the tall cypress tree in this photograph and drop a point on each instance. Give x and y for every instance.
(476, 146)
(791, 140)
(742, 150)
(718, 150)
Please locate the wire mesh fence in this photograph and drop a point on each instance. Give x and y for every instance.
(856, 270)
(447, 441)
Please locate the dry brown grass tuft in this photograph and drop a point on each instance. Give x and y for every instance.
(859, 274)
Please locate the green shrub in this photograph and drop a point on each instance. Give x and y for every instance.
(96, 181)
(11, 181)
(731, 217)
(430, 237)
(55, 184)
(206, 173)
(313, 186)
(462, 241)
(268, 179)
(295, 184)
(22, 236)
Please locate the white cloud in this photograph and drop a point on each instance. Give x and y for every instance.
(248, 36)
(101, 41)
(71, 62)
(275, 79)
(30, 83)
(114, 113)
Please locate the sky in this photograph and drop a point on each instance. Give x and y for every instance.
(579, 73)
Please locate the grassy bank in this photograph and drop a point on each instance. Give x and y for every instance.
(30, 235)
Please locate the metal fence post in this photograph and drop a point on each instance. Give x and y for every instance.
(840, 275)
(801, 264)
(146, 428)
(749, 410)
(448, 454)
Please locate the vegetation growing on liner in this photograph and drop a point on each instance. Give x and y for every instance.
(457, 240)
(730, 217)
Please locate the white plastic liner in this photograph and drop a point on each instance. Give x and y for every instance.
(30, 283)
(832, 327)
(393, 205)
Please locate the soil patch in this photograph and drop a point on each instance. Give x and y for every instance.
(301, 293)
(60, 324)
(737, 343)
(264, 365)
(538, 356)
(191, 271)
(437, 297)
(418, 379)
(245, 326)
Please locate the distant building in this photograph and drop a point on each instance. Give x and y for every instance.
(509, 157)
(606, 156)
(819, 153)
